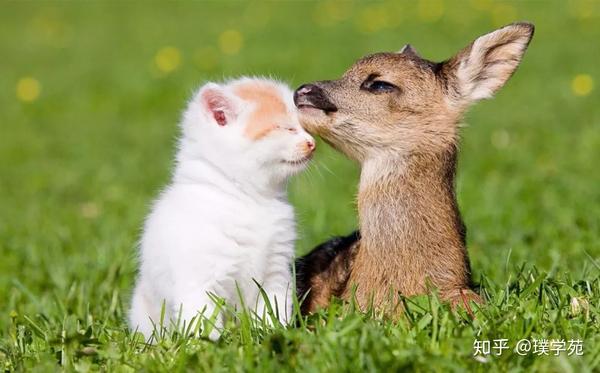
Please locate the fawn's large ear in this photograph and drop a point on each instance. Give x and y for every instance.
(217, 104)
(482, 68)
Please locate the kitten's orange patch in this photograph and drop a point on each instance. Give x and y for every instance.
(269, 107)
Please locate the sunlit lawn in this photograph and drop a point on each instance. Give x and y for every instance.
(90, 96)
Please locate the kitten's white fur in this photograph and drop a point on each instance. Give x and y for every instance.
(224, 220)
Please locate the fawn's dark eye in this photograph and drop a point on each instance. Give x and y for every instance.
(377, 86)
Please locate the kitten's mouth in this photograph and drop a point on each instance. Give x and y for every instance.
(299, 162)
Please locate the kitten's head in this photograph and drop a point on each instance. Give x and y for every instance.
(247, 125)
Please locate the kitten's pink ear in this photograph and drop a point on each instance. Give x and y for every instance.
(217, 104)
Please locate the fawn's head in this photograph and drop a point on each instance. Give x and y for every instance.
(404, 104)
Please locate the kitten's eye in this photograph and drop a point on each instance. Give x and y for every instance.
(287, 129)
(378, 86)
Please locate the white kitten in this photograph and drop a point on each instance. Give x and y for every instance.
(224, 220)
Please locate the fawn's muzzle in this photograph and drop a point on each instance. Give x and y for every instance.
(312, 96)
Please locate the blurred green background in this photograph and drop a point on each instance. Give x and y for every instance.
(91, 93)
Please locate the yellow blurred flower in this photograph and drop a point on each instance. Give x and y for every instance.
(328, 13)
(430, 10)
(231, 41)
(583, 9)
(167, 59)
(582, 84)
(28, 89)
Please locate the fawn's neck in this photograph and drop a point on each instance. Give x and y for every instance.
(410, 224)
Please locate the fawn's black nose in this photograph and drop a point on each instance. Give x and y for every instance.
(313, 96)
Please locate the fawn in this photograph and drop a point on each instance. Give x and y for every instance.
(397, 114)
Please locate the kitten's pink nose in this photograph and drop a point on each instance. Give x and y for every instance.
(310, 146)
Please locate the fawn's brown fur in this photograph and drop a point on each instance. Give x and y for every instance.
(397, 114)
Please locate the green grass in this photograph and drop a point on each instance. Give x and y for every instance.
(80, 164)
